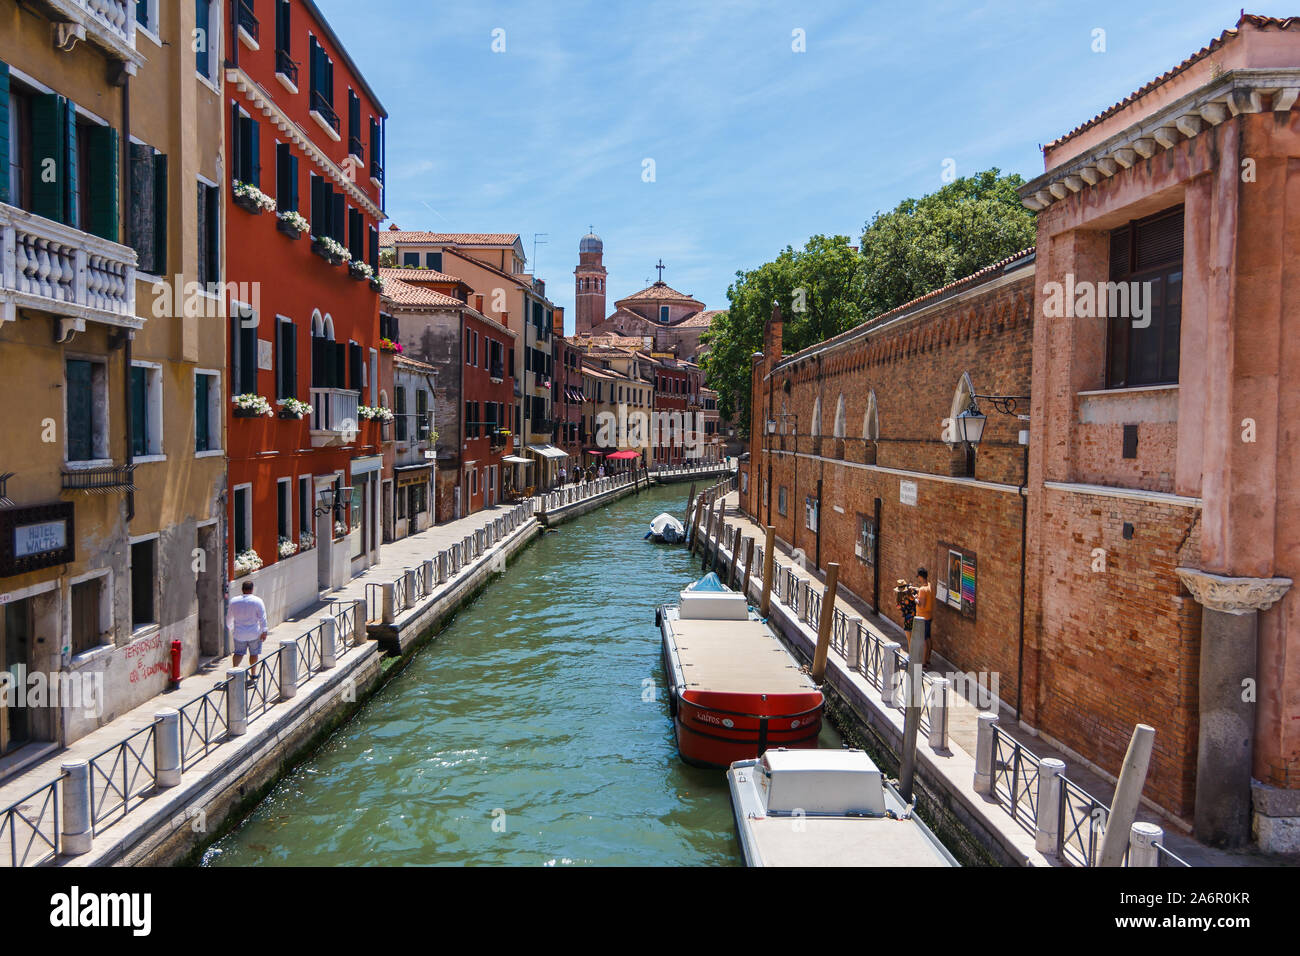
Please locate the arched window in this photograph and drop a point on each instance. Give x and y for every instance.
(839, 417)
(816, 429)
(870, 429)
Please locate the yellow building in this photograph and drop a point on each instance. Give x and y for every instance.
(110, 528)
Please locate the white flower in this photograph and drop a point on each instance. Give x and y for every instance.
(295, 407)
(333, 247)
(375, 413)
(259, 198)
(295, 219)
(247, 561)
(364, 269)
(253, 403)
(306, 541)
(287, 548)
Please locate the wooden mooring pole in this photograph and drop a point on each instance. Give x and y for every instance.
(825, 624)
(912, 696)
(769, 542)
(690, 503)
(749, 563)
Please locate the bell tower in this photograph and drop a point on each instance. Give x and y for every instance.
(589, 284)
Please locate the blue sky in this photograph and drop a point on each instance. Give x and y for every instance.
(755, 146)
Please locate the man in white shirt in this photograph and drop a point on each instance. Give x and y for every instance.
(248, 626)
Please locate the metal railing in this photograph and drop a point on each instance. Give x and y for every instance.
(30, 826)
(203, 724)
(1015, 779)
(121, 774)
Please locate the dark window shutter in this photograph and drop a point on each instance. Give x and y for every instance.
(236, 140)
(1159, 240)
(316, 204)
(283, 26)
(140, 223)
(201, 431)
(254, 153)
(49, 145)
(340, 365)
(160, 214)
(293, 182)
(283, 174)
(70, 169)
(338, 220)
(4, 129)
(374, 145)
(202, 224)
(374, 249)
(354, 366)
(80, 399)
(318, 362)
(139, 411)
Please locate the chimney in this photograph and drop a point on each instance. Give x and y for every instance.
(478, 302)
(505, 319)
(772, 335)
(557, 321)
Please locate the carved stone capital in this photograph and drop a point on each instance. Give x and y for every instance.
(1233, 595)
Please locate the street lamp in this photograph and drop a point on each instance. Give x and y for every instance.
(970, 423)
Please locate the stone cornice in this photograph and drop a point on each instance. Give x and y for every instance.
(1233, 595)
(1235, 92)
(288, 128)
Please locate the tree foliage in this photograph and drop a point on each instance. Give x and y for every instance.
(828, 286)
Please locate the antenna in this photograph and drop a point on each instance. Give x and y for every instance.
(539, 238)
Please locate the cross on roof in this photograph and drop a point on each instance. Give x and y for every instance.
(661, 267)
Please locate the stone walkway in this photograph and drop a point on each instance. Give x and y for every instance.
(963, 719)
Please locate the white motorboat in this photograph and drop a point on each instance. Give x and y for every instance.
(826, 808)
(667, 529)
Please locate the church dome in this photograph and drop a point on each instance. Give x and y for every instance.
(591, 243)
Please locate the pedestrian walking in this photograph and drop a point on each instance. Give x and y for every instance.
(248, 627)
(905, 598)
(564, 476)
(925, 610)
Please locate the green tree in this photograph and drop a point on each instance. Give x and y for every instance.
(923, 244)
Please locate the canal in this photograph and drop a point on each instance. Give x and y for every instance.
(532, 731)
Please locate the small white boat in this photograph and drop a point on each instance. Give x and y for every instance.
(666, 528)
(826, 808)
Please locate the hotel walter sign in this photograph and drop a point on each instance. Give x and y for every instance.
(34, 538)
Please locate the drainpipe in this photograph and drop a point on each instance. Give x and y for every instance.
(124, 157)
(1024, 519)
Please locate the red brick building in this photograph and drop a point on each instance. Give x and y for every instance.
(1147, 332)
(305, 146)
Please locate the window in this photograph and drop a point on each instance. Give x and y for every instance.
(421, 415)
(209, 223)
(433, 260)
(286, 178)
(306, 519)
(245, 147)
(356, 234)
(147, 220)
(1144, 301)
(376, 149)
(243, 350)
(86, 599)
(321, 79)
(207, 412)
(411, 260)
(242, 525)
(399, 412)
(87, 410)
(205, 39)
(146, 14)
(284, 509)
(663, 314)
(471, 348)
(355, 147)
(865, 546)
(146, 410)
(958, 588)
(286, 359)
(144, 581)
(780, 499)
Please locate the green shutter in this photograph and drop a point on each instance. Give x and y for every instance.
(49, 156)
(4, 131)
(160, 214)
(139, 411)
(201, 412)
(70, 178)
(102, 181)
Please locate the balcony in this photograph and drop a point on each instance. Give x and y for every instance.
(286, 70)
(355, 148)
(108, 24)
(248, 26)
(46, 266)
(322, 111)
(103, 480)
(333, 416)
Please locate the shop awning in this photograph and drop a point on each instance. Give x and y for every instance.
(516, 460)
(594, 451)
(411, 474)
(548, 451)
(622, 455)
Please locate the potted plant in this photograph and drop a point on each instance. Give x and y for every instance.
(306, 541)
(375, 413)
(287, 548)
(377, 283)
(247, 562)
(292, 408)
(340, 529)
(250, 405)
(293, 224)
(360, 270)
(388, 345)
(330, 250)
(248, 197)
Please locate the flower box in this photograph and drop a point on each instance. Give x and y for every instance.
(359, 270)
(330, 250)
(287, 229)
(246, 412)
(248, 204)
(250, 405)
(293, 408)
(377, 283)
(252, 199)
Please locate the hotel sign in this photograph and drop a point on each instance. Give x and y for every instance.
(34, 538)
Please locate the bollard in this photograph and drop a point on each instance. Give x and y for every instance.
(852, 641)
(1128, 791)
(78, 831)
(1142, 840)
(409, 574)
(939, 713)
(328, 648)
(167, 747)
(359, 635)
(442, 566)
(237, 701)
(984, 752)
(891, 689)
(288, 670)
(389, 602)
(427, 568)
(766, 606)
(1047, 823)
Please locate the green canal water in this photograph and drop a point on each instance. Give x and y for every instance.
(533, 731)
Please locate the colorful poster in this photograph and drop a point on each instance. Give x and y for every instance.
(968, 583)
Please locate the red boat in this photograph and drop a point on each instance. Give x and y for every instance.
(734, 689)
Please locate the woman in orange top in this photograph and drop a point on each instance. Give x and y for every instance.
(925, 610)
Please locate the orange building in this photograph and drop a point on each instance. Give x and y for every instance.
(305, 148)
